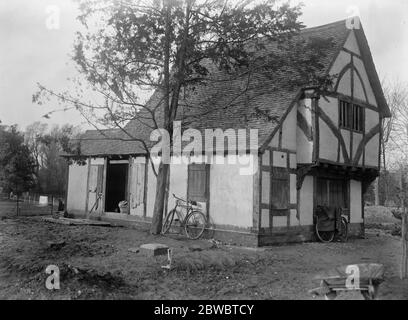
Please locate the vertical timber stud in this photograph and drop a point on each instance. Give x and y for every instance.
(260, 190)
(315, 119)
(338, 125)
(145, 187)
(256, 210)
(87, 187)
(207, 189)
(270, 189)
(129, 183)
(105, 169)
(364, 133)
(66, 187)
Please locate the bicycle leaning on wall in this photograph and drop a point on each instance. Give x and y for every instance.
(331, 224)
(193, 221)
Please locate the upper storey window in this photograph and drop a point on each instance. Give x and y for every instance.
(351, 116)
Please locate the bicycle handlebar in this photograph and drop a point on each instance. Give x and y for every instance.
(194, 203)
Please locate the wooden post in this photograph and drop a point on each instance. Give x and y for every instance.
(404, 245)
(52, 205)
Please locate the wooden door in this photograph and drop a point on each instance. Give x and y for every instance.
(279, 192)
(332, 193)
(137, 189)
(95, 187)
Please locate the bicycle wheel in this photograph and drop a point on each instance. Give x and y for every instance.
(168, 221)
(323, 236)
(195, 224)
(343, 232)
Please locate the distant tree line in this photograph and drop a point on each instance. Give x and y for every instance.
(31, 160)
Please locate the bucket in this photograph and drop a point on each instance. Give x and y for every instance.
(123, 207)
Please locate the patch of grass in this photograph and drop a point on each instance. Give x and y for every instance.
(378, 214)
(203, 260)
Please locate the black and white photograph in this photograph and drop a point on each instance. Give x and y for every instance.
(217, 151)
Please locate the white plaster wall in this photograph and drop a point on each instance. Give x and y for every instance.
(346, 138)
(97, 161)
(279, 159)
(306, 202)
(328, 142)
(275, 140)
(231, 195)
(357, 137)
(304, 146)
(358, 89)
(355, 202)
(151, 189)
(178, 181)
(288, 134)
(342, 59)
(371, 151)
(293, 193)
(351, 43)
(293, 160)
(372, 118)
(77, 183)
(331, 108)
(358, 63)
(344, 86)
(293, 219)
(280, 221)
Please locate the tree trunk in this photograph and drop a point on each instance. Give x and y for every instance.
(376, 191)
(161, 184)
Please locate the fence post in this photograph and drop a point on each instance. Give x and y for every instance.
(404, 245)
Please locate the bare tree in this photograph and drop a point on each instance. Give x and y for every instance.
(171, 47)
(394, 142)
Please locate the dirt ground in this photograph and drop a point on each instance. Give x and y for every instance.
(95, 263)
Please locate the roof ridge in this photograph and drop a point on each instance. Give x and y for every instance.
(327, 25)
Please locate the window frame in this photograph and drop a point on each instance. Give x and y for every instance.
(351, 116)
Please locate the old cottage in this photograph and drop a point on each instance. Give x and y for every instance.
(323, 148)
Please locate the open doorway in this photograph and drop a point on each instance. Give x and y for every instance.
(116, 185)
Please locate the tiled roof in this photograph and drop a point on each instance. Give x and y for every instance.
(222, 104)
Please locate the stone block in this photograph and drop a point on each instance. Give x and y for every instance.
(154, 249)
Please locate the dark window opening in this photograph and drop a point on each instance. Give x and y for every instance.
(351, 116)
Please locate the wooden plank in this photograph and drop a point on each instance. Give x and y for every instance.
(256, 197)
(87, 186)
(145, 187)
(315, 120)
(105, 168)
(74, 222)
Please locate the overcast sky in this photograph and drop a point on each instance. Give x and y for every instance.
(31, 52)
